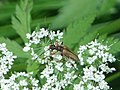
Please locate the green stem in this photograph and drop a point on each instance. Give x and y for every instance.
(108, 27)
(112, 77)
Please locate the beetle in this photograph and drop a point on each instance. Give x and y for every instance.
(64, 51)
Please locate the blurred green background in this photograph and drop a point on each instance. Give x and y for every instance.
(59, 14)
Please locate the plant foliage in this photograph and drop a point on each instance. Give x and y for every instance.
(81, 21)
(22, 19)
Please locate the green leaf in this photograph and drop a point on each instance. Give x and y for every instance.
(21, 20)
(88, 38)
(77, 9)
(111, 42)
(77, 30)
(7, 31)
(19, 65)
(14, 47)
(42, 81)
(33, 66)
(115, 43)
(69, 87)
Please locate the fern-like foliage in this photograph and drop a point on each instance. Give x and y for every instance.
(77, 31)
(21, 19)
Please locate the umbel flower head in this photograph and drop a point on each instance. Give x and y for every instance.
(95, 52)
(20, 81)
(6, 59)
(95, 57)
(60, 72)
(39, 43)
(6, 62)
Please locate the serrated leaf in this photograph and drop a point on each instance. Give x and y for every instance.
(77, 9)
(77, 30)
(21, 20)
(32, 66)
(14, 47)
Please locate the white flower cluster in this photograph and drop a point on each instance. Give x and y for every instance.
(95, 57)
(93, 79)
(95, 51)
(6, 59)
(39, 43)
(20, 81)
(58, 75)
(88, 73)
